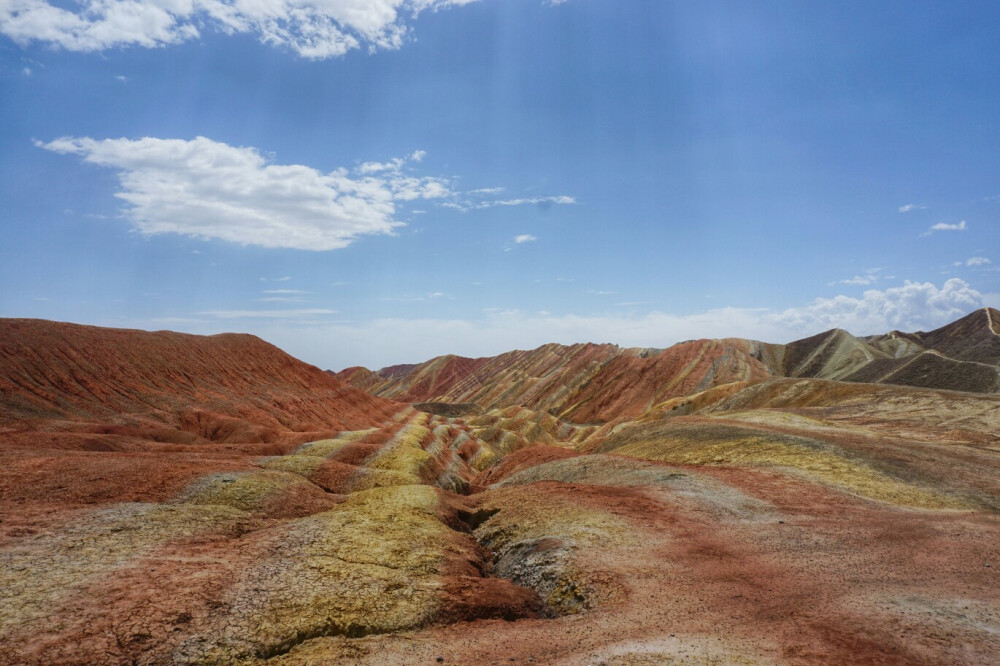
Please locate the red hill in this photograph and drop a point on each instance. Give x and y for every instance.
(174, 386)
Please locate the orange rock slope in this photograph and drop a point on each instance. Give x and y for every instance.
(172, 386)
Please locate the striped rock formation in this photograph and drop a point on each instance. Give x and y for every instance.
(693, 505)
(589, 383)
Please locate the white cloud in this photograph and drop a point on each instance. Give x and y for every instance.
(393, 165)
(977, 261)
(211, 190)
(314, 29)
(911, 207)
(524, 238)
(284, 291)
(913, 306)
(858, 280)
(944, 226)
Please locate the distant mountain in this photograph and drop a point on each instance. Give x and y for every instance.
(582, 383)
(173, 386)
(587, 383)
(975, 337)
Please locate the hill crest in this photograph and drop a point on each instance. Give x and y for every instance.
(226, 387)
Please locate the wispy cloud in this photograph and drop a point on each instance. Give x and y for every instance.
(944, 226)
(524, 238)
(211, 190)
(267, 314)
(870, 276)
(977, 261)
(314, 29)
(857, 280)
(393, 165)
(284, 291)
(912, 207)
(414, 299)
(541, 202)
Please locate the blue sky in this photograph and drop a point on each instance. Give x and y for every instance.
(381, 181)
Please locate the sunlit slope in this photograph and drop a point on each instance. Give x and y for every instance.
(902, 445)
(170, 386)
(579, 383)
(975, 337)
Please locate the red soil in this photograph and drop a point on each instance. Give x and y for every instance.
(712, 563)
(825, 579)
(223, 388)
(629, 385)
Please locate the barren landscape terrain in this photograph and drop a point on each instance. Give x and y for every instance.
(178, 499)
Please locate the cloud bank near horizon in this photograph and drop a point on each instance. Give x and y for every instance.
(387, 341)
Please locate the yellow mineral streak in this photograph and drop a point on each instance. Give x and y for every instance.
(246, 491)
(37, 573)
(370, 565)
(760, 450)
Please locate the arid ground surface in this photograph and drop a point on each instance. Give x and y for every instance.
(175, 499)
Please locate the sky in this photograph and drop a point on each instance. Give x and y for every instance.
(372, 182)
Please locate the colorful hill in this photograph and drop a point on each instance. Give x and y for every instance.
(177, 499)
(599, 383)
(582, 383)
(172, 386)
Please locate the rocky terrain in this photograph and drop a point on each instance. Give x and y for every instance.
(175, 499)
(587, 383)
